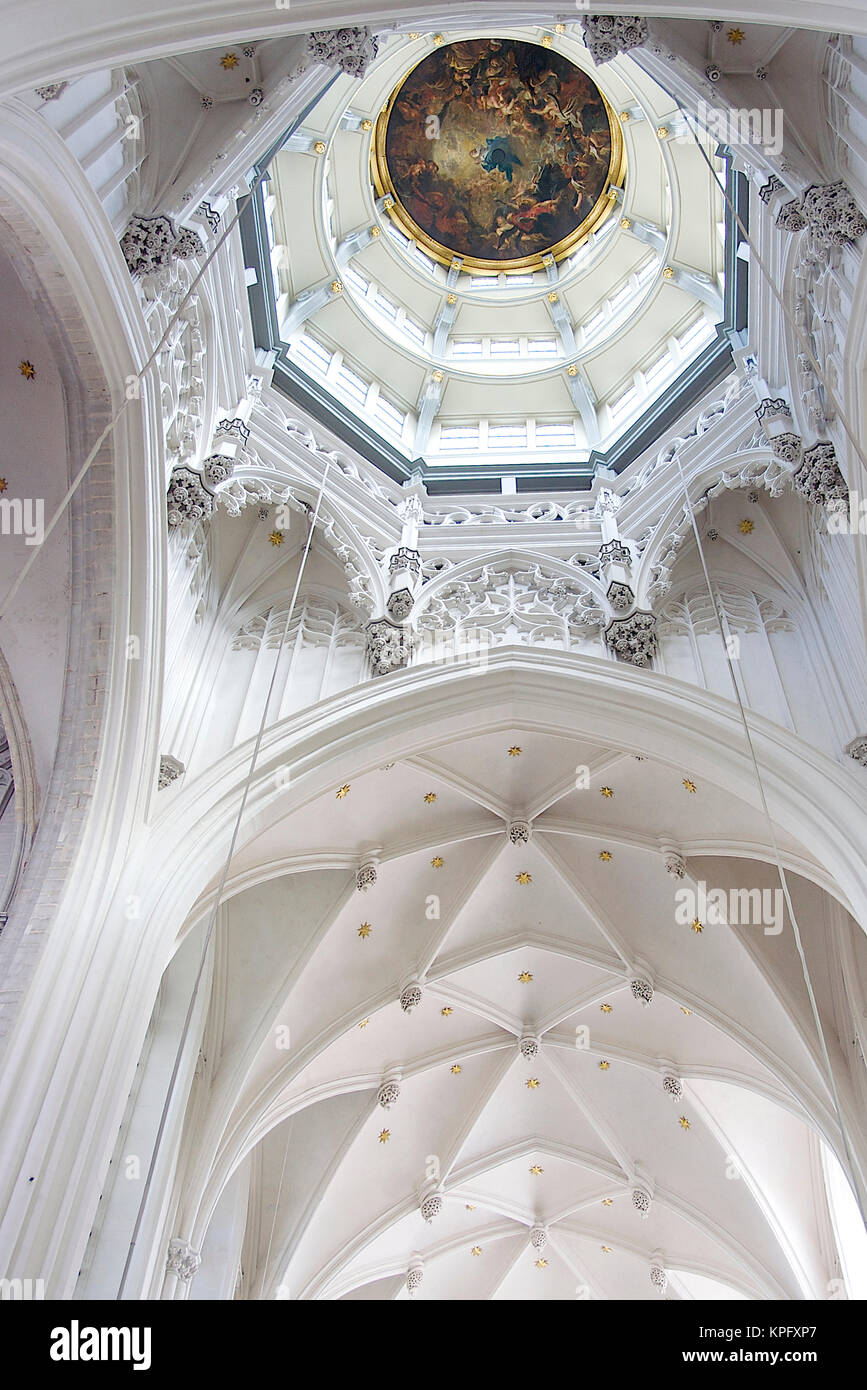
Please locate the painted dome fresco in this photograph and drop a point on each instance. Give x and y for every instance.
(499, 152)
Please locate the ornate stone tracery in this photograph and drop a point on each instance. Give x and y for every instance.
(431, 1206)
(606, 36)
(350, 50)
(389, 647)
(388, 1094)
(538, 1238)
(410, 996)
(150, 243)
(182, 1261)
(170, 770)
(642, 991)
(672, 1086)
(819, 479)
(633, 639)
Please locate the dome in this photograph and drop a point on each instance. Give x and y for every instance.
(491, 259)
(497, 152)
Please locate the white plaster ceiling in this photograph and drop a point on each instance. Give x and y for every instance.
(729, 1017)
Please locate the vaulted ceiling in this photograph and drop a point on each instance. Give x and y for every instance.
(517, 940)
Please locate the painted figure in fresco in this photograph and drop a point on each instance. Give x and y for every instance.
(522, 151)
(497, 154)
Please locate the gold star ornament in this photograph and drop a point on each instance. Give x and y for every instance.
(541, 1264)
(384, 1136)
(603, 1066)
(364, 1022)
(476, 1250)
(606, 792)
(683, 1122)
(697, 926)
(343, 791)
(525, 977)
(27, 370)
(606, 1008)
(687, 1012)
(229, 61)
(364, 930)
(3, 484)
(536, 1170)
(606, 1249)
(437, 861)
(523, 877)
(606, 856)
(276, 538)
(456, 1069)
(689, 786)
(515, 751)
(430, 798)
(735, 35)
(746, 527)
(533, 1084)
(608, 1201)
(447, 1011)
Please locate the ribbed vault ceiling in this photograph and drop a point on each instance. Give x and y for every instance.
(511, 941)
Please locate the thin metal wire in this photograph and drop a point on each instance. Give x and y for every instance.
(719, 614)
(218, 896)
(136, 376)
(267, 1259)
(803, 340)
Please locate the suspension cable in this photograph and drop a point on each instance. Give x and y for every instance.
(218, 895)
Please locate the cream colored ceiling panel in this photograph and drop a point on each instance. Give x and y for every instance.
(294, 184)
(370, 355)
(503, 320)
(346, 185)
(379, 263)
(697, 242)
(506, 398)
(643, 341)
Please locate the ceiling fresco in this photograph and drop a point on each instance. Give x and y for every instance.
(499, 152)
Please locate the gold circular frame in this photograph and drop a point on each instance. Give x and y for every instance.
(383, 186)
